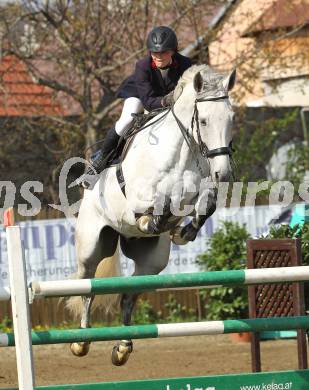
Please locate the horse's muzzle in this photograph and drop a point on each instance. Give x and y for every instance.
(220, 169)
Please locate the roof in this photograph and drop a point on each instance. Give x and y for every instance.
(281, 14)
(20, 95)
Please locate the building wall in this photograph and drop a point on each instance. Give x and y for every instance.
(260, 57)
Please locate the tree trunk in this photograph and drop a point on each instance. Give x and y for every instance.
(90, 138)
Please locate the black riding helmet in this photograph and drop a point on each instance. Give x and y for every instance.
(161, 39)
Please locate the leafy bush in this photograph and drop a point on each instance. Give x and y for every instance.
(177, 312)
(6, 325)
(227, 252)
(298, 164)
(144, 313)
(285, 231)
(254, 148)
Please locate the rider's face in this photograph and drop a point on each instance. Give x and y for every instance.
(162, 58)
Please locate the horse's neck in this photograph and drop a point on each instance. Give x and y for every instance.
(168, 127)
(173, 151)
(183, 111)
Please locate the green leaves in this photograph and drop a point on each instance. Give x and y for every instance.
(256, 141)
(227, 252)
(298, 164)
(227, 248)
(144, 313)
(302, 232)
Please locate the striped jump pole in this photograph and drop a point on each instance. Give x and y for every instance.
(161, 330)
(246, 277)
(154, 282)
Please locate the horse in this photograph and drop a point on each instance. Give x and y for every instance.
(170, 171)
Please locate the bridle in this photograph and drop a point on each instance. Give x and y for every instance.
(205, 152)
(189, 138)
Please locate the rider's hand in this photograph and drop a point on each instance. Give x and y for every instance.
(168, 100)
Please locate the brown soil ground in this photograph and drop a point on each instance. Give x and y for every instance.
(154, 358)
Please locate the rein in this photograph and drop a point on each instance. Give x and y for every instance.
(151, 115)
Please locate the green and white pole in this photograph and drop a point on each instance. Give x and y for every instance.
(156, 282)
(246, 277)
(161, 330)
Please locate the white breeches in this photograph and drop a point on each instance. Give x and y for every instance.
(131, 105)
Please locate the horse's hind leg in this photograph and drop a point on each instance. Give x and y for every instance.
(122, 350)
(82, 348)
(93, 245)
(151, 257)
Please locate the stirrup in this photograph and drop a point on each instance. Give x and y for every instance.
(87, 181)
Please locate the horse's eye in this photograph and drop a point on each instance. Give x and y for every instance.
(203, 122)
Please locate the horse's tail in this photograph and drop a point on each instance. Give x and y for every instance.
(108, 267)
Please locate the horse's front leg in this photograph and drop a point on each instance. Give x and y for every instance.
(122, 350)
(156, 224)
(204, 208)
(82, 348)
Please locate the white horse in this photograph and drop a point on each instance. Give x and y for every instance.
(168, 173)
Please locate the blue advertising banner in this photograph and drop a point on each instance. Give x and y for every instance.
(50, 247)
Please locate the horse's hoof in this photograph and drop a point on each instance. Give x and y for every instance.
(121, 353)
(142, 223)
(80, 349)
(176, 238)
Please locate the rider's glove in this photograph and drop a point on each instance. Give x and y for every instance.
(168, 100)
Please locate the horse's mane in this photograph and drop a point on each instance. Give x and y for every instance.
(212, 80)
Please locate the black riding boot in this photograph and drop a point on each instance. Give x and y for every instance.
(99, 159)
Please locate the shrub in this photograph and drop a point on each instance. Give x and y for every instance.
(144, 313)
(178, 312)
(285, 231)
(227, 252)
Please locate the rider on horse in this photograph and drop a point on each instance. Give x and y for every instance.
(150, 87)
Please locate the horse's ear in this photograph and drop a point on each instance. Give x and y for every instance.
(229, 81)
(198, 82)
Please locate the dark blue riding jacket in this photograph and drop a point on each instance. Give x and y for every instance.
(147, 83)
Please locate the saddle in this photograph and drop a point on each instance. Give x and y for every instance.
(139, 123)
(117, 156)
